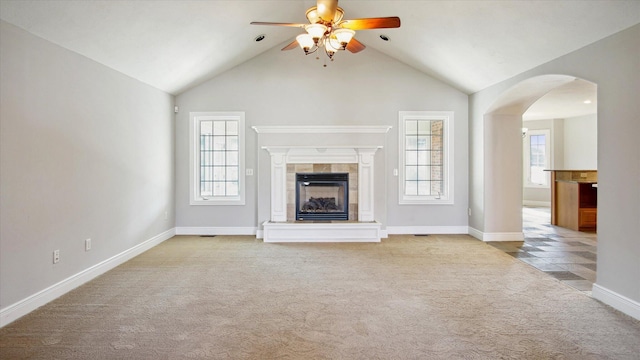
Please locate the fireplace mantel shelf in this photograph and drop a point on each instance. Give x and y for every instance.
(320, 148)
(324, 129)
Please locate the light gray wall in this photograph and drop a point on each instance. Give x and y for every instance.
(288, 88)
(614, 65)
(86, 152)
(581, 142)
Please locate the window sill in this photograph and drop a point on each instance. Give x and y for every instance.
(532, 186)
(216, 202)
(426, 202)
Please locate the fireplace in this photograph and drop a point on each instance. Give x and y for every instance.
(320, 149)
(322, 196)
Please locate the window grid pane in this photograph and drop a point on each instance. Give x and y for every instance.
(424, 158)
(537, 159)
(219, 158)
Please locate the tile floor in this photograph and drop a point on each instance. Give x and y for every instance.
(567, 255)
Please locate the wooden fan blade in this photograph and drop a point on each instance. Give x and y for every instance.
(327, 9)
(355, 46)
(278, 24)
(371, 23)
(291, 46)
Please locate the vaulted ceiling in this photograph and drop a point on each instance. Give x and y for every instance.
(175, 45)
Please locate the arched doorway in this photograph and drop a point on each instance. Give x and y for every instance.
(559, 132)
(503, 153)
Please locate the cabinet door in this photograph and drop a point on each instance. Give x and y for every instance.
(588, 218)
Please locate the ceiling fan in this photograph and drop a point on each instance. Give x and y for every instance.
(328, 30)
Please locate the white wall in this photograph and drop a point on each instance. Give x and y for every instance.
(86, 152)
(614, 65)
(288, 88)
(581, 142)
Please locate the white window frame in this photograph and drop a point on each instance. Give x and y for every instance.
(445, 198)
(526, 163)
(194, 155)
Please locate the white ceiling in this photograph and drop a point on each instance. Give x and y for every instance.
(174, 45)
(576, 98)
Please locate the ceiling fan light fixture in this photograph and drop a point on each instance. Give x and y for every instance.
(331, 46)
(328, 32)
(305, 41)
(343, 37)
(316, 31)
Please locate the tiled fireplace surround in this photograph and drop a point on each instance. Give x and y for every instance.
(293, 169)
(350, 149)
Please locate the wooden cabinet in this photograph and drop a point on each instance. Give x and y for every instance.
(574, 199)
(587, 218)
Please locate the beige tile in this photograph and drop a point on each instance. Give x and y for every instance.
(322, 168)
(343, 168)
(304, 168)
(570, 260)
(562, 248)
(291, 212)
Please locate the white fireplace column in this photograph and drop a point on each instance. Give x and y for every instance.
(365, 184)
(278, 184)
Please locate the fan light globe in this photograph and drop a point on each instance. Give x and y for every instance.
(316, 31)
(344, 36)
(305, 41)
(331, 44)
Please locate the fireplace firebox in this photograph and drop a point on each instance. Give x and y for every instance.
(322, 196)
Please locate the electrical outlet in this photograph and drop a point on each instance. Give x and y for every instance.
(56, 256)
(166, 215)
(87, 245)
(469, 211)
(583, 175)
(249, 172)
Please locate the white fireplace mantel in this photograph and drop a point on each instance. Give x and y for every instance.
(329, 145)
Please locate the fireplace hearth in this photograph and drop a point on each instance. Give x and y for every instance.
(322, 196)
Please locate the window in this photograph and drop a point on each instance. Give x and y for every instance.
(426, 147)
(537, 158)
(217, 158)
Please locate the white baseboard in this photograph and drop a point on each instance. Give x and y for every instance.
(218, 230)
(512, 236)
(27, 305)
(416, 230)
(475, 233)
(536, 203)
(617, 301)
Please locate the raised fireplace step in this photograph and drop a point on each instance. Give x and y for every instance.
(321, 231)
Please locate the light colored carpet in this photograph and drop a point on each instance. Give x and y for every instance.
(435, 297)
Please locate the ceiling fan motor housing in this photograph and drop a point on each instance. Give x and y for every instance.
(314, 17)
